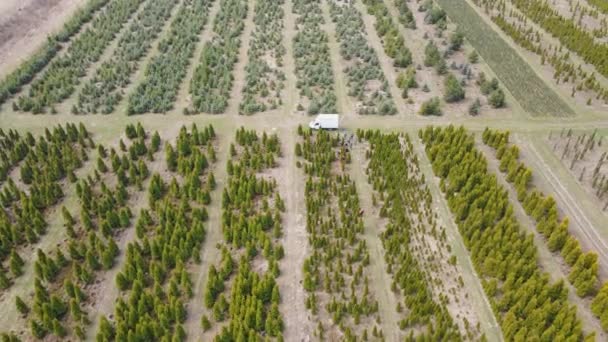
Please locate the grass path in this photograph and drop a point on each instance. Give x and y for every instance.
(552, 263)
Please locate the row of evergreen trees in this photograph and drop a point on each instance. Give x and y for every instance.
(212, 80)
(366, 80)
(63, 74)
(406, 201)
(543, 209)
(26, 72)
(154, 281)
(252, 225)
(265, 80)
(312, 59)
(526, 304)
(164, 74)
(91, 248)
(335, 273)
(104, 90)
(46, 162)
(565, 69)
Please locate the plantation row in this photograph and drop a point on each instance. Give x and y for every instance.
(26, 72)
(567, 32)
(406, 17)
(242, 290)
(565, 69)
(526, 304)
(366, 80)
(63, 74)
(158, 90)
(335, 273)
(212, 81)
(517, 75)
(154, 280)
(46, 162)
(265, 80)
(64, 284)
(393, 41)
(543, 210)
(103, 92)
(312, 59)
(406, 201)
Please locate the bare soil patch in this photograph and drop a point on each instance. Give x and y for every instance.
(25, 25)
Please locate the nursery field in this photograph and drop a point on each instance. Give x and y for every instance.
(159, 180)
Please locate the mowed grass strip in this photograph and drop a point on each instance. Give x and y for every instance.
(528, 89)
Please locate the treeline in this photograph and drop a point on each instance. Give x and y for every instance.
(62, 76)
(363, 68)
(526, 304)
(405, 200)
(154, 281)
(91, 247)
(104, 90)
(46, 163)
(584, 266)
(541, 207)
(165, 72)
(26, 72)
(313, 63)
(335, 273)
(212, 80)
(265, 80)
(239, 291)
(63, 278)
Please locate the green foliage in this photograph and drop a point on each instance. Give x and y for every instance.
(393, 170)
(26, 72)
(62, 75)
(499, 249)
(313, 62)
(431, 107)
(393, 41)
(453, 90)
(154, 280)
(212, 80)
(543, 209)
(249, 224)
(365, 72)
(336, 268)
(527, 88)
(163, 75)
(265, 79)
(103, 91)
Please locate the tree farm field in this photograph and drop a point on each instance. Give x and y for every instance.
(159, 178)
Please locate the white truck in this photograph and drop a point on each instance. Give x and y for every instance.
(325, 121)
